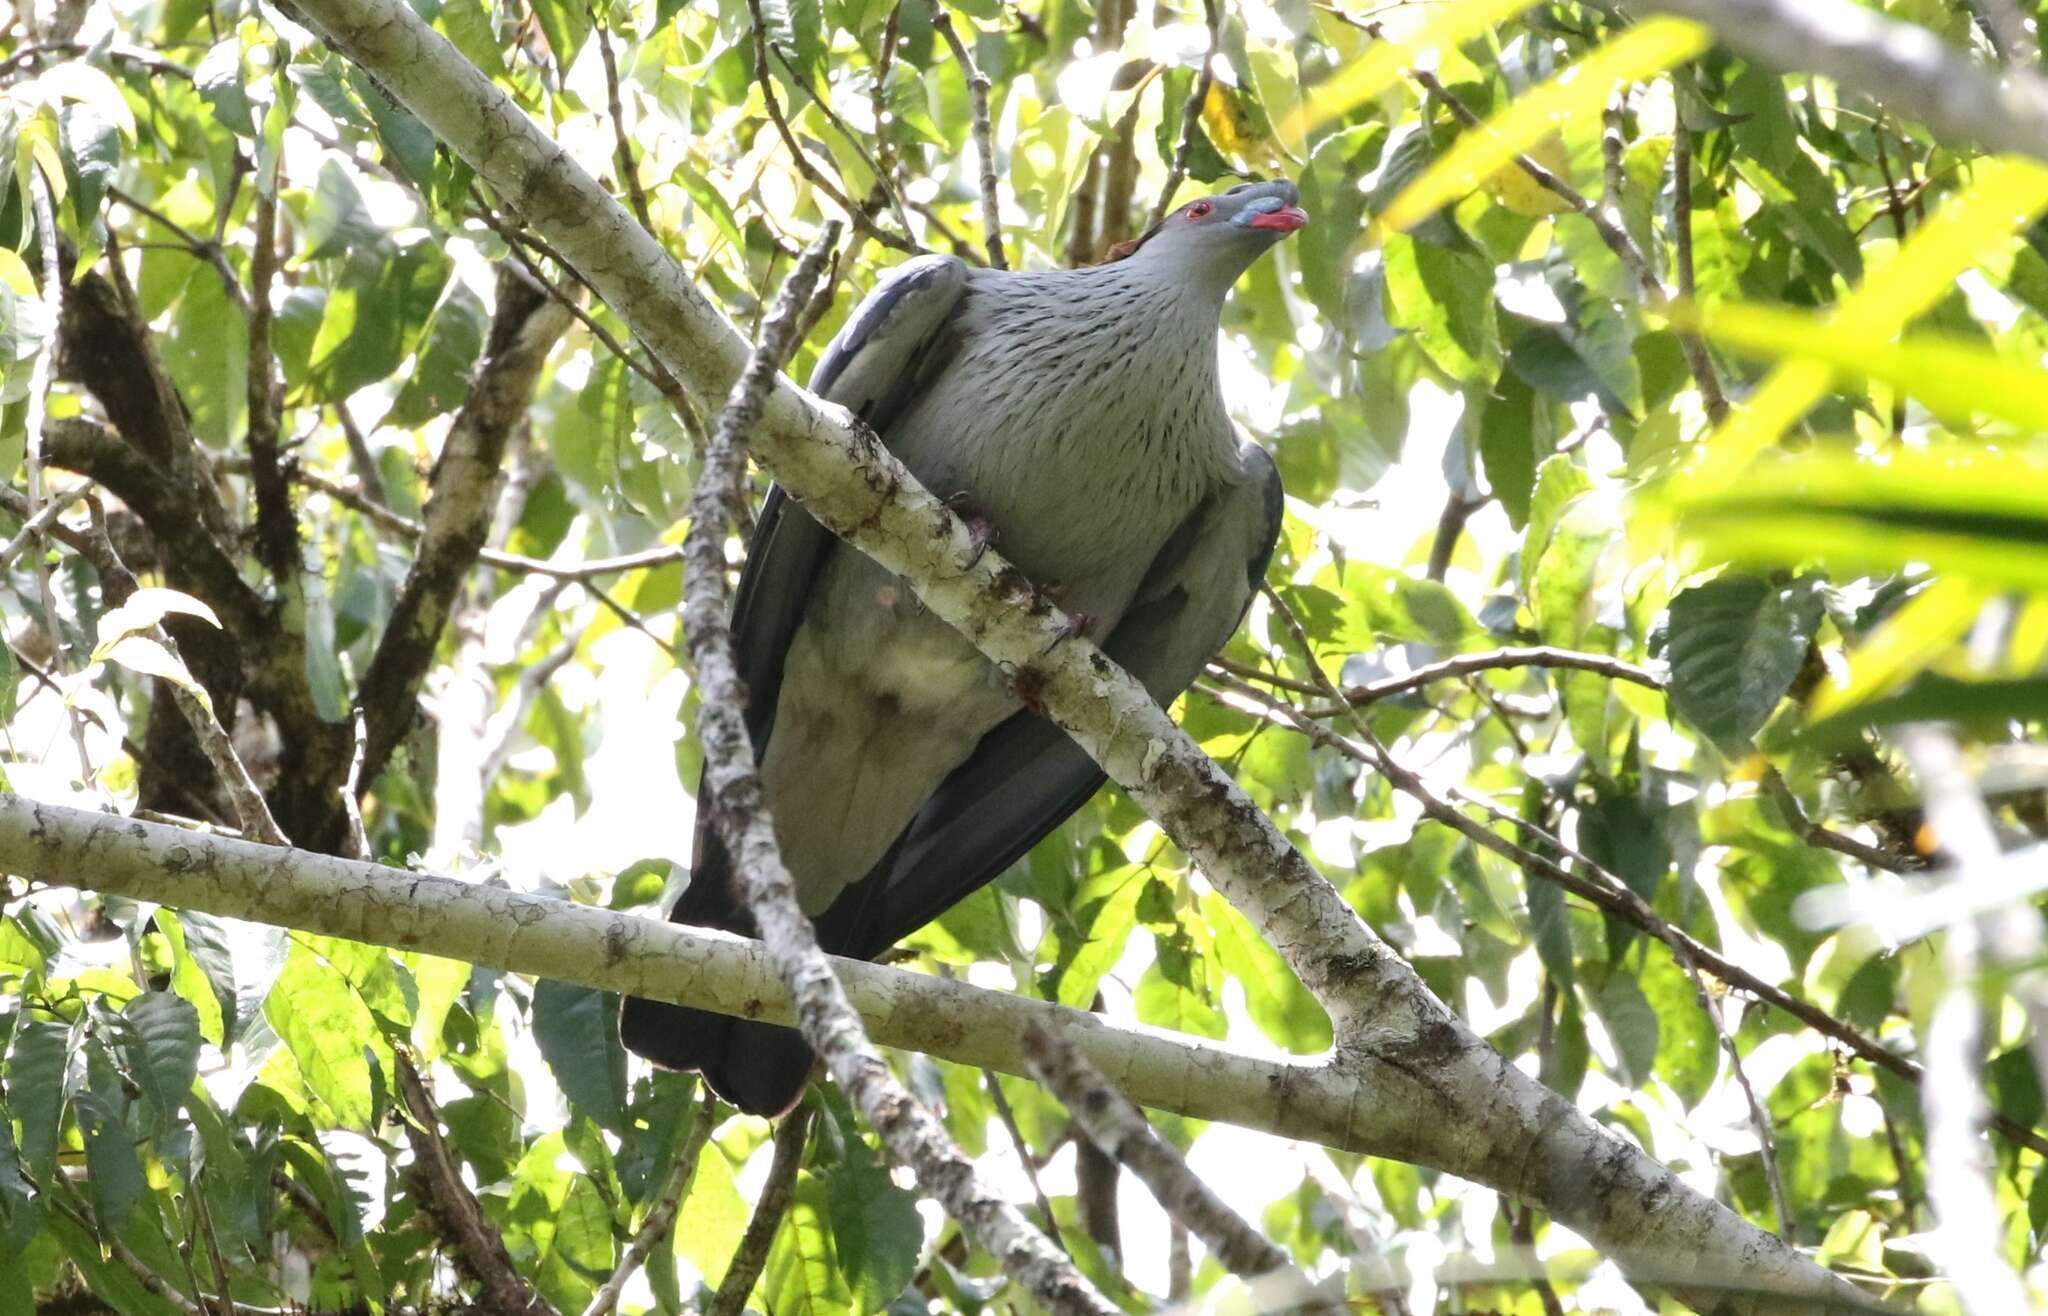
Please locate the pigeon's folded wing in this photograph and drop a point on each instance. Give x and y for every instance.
(1027, 775)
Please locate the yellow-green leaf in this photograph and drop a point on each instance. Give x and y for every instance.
(1953, 376)
(1387, 62)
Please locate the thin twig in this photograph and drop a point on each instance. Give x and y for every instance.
(651, 370)
(371, 478)
(622, 150)
(732, 788)
(883, 180)
(358, 837)
(1191, 114)
(1824, 838)
(120, 54)
(1609, 894)
(118, 583)
(576, 572)
(32, 456)
(766, 79)
(661, 1217)
(984, 138)
(1712, 398)
(1024, 1156)
(776, 1195)
(1116, 1126)
(203, 248)
(44, 518)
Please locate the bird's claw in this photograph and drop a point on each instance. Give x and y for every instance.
(981, 530)
(1077, 623)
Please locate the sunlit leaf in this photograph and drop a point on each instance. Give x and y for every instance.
(1981, 514)
(1647, 48)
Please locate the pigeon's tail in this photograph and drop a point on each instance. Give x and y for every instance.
(760, 1068)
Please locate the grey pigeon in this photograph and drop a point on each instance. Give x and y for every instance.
(1078, 413)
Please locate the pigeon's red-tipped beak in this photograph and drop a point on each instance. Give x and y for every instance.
(1284, 220)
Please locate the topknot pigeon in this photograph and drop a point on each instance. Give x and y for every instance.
(1079, 412)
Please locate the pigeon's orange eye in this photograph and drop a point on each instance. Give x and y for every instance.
(1199, 210)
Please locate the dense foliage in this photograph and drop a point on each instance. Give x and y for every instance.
(1729, 386)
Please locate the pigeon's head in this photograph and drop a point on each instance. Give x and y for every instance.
(1215, 239)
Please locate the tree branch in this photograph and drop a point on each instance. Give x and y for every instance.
(457, 518)
(1904, 68)
(1353, 1102)
(479, 1249)
(1120, 1130)
(777, 1193)
(984, 139)
(732, 787)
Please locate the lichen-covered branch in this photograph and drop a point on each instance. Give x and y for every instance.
(1357, 1103)
(732, 791)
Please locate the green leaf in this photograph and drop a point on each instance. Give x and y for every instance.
(220, 81)
(372, 321)
(876, 1231)
(1558, 481)
(713, 1217)
(439, 380)
(1445, 297)
(1976, 513)
(566, 23)
(113, 1170)
(325, 1026)
(202, 970)
(1953, 376)
(1507, 445)
(207, 353)
(21, 1211)
(1734, 645)
(804, 1275)
(575, 1030)
(1688, 1049)
(40, 1080)
(1106, 910)
(1632, 1027)
(1933, 697)
(1279, 1004)
(164, 1060)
